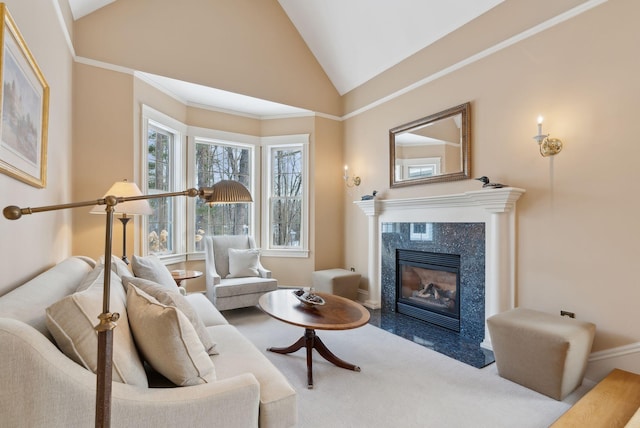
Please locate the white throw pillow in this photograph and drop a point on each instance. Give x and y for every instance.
(174, 298)
(243, 263)
(118, 266)
(71, 322)
(168, 341)
(151, 268)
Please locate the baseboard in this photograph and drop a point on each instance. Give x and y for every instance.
(624, 357)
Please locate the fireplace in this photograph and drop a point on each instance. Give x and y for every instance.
(449, 255)
(495, 209)
(428, 287)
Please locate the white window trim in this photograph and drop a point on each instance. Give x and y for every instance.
(242, 140)
(285, 141)
(162, 121)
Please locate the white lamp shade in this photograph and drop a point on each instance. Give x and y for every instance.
(125, 189)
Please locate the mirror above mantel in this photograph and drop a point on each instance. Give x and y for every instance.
(432, 149)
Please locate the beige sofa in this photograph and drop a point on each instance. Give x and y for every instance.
(41, 386)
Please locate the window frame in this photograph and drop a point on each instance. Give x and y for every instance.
(227, 138)
(287, 142)
(185, 138)
(166, 123)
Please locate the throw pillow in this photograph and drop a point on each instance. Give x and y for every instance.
(243, 263)
(168, 341)
(151, 268)
(71, 322)
(91, 277)
(174, 298)
(118, 266)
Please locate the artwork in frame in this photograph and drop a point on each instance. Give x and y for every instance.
(24, 108)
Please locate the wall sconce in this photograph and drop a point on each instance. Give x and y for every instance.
(350, 181)
(548, 146)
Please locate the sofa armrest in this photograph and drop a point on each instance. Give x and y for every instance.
(228, 402)
(39, 383)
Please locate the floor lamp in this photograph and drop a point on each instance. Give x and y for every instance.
(223, 192)
(125, 188)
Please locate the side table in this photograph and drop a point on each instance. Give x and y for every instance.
(181, 275)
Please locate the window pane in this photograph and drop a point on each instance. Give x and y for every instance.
(159, 159)
(286, 197)
(286, 222)
(215, 162)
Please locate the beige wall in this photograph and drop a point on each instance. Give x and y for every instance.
(35, 242)
(244, 46)
(103, 149)
(576, 229)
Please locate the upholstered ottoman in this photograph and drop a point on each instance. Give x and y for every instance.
(546, 353)
(340, 282)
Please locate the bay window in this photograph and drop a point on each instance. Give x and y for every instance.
(177, 157)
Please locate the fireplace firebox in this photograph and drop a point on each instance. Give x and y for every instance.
(428, 287)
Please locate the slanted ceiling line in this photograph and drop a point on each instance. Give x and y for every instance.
(552, 22)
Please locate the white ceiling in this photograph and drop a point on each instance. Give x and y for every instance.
(353, 40)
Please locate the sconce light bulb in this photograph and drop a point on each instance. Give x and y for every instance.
(540, 119)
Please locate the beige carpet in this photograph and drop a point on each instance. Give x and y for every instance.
(401, 384)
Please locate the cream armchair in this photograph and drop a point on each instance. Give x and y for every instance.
(234, 276)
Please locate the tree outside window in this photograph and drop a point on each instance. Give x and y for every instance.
(286, 194)
(160, 225)
(216, 161)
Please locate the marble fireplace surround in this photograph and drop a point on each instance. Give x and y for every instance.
(496, 208)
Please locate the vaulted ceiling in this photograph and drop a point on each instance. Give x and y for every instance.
(353, 40)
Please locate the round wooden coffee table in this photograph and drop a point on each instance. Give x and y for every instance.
(338, 313)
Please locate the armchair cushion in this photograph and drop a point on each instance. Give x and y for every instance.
(151, 268)
(168, 341)
(243, 263)
(71, 322)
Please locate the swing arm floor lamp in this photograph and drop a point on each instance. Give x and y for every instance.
(224, 191)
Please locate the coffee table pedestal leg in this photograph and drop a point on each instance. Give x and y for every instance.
(310, 341)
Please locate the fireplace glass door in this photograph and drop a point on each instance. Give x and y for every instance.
(429, 287)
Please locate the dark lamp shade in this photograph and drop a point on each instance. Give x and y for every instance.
(227, 192)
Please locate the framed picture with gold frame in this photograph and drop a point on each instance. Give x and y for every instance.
(24, 108)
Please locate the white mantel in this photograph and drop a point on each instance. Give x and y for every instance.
(494, 207)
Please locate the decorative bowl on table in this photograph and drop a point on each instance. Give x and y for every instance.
(308, 298)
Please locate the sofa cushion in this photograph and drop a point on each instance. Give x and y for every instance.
(151, 268)
(168, 341)
(243, 263)
(238, 355)
(71, 322)
(208, 313)
(174, 298)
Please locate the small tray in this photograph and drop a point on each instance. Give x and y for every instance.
(308, 299)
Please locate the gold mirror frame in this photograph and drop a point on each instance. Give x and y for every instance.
(440, 158)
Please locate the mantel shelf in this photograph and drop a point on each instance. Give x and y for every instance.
(493, 200)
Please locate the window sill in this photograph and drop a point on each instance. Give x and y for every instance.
(285, 253)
